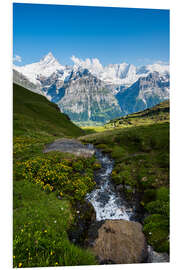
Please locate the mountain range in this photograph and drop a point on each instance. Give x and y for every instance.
(89, 91)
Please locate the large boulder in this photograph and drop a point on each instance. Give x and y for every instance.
(70, 146)
(120, 242)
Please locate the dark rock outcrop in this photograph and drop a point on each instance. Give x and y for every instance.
(84, 216)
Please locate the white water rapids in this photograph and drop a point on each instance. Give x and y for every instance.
(106, 202)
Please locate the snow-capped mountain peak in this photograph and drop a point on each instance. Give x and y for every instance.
(159, 67)
(45, 67)
(121, 75)
(118, 74)
(88, 90)
(49, 59)
(93, 65)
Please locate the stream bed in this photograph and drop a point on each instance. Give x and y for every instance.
(109, 204)
(105, 200)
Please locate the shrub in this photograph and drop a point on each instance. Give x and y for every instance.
(149, 195)
(96, 166)
(162, 194)
(118, 152)
(78, 165)
(74, 178)
(104, 148)
(156, 229)
(158, 207)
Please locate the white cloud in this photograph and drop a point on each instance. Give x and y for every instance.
(80, 62)
(17, 58)
(76, 60)
(151, 61)
(88, 63)
(159, 62)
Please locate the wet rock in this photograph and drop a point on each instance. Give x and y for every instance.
(102, 197)
(70, 146)
(155, 257)
(105, 199)
(119, 187)
(120, 242)
(84, 216)
(92, 234)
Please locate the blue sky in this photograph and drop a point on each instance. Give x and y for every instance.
(113, 35)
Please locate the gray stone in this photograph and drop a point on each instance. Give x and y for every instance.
(155, 257)
(70, 146)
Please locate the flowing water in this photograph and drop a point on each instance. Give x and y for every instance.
(105, 200)
(108, 204)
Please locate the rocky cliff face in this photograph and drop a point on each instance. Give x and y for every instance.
(87, 98)
(21, 80)
(88, 91)
(51, 85)
(145, 93)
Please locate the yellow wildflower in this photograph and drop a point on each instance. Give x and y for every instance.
(20, 264)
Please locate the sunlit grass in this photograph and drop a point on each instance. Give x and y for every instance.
(45, 186)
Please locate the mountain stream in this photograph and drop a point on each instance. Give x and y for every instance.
(109, 204)
(105, 200)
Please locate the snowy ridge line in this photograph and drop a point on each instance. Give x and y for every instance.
(118, 74)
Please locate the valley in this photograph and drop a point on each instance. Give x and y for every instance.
(51, 187)
(91, 135)
(92, 94)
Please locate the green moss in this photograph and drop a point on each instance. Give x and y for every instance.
(156, 229)
(96, 166)
(104, 148)
(149, 195)
(158, 207)
(156, 225)
(162, 194)
(118, 152)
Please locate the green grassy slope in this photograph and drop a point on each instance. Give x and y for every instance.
(141, 154)
(34, 113)
(158, 113)
(40, 218)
